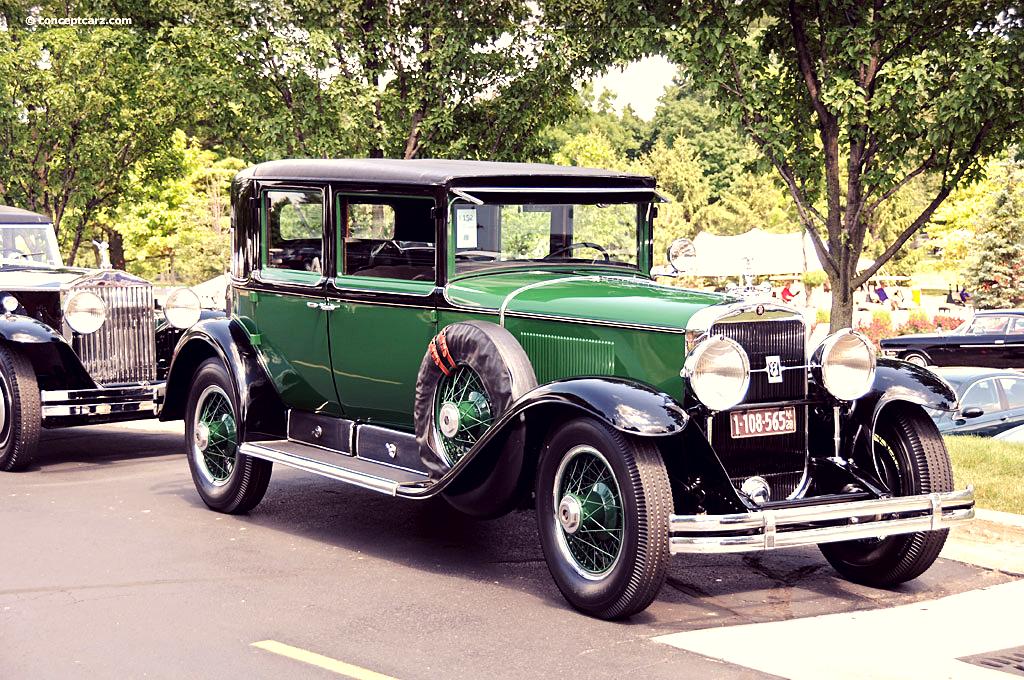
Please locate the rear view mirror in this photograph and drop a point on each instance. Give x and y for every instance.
(972, 412)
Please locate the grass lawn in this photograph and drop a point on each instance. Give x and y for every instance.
(995, 468)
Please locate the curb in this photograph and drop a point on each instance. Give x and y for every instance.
(999, 517)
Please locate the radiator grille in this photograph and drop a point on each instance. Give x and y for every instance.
(779, 459)
(123, 350)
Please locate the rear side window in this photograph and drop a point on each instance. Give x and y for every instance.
(293, 227)
(387, 238)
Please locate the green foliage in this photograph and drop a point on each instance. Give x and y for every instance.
(814, 279)
(176, 229)
(849, 102)
(995, 273)
(83, 110)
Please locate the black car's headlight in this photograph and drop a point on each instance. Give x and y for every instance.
(182, 308)
(718, 372)
(844, 363)
(85, 312)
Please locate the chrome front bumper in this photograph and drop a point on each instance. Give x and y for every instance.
(102, 404)
(810, 525)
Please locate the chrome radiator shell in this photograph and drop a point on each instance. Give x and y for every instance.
(123, 350)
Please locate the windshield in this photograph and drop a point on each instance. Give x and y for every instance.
(493, 235)
(29, 243)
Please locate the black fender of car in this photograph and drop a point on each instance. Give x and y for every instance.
(493, 478)
(55, 363)
(895, 382)
(260, 408)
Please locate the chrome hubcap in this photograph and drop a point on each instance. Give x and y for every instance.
(569, 513)
(449, 419)
(202, 436)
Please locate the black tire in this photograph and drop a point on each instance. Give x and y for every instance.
(226, 480)
(607, 549)
(20, 414)
(471, 373)
(911, 459)
(916, 358)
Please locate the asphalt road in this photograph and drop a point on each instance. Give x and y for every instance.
(111, 567)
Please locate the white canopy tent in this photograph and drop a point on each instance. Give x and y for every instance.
(757, 252)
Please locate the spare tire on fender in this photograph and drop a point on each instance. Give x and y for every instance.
(471, 373)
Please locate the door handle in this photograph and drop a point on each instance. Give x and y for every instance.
(325, 306)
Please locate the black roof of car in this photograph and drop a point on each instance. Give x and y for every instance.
(997, 312)
(443, 172)
(11, 215)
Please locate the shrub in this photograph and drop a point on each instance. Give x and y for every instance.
(946, 323)
(822, 316)
(880, 327)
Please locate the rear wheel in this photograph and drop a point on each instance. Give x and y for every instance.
(915, 358)
(603, 502)
(19, 410)
(910, 458)
(225, 479)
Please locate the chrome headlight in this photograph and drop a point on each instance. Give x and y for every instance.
(9, 303)
(85, 312)
(844, 363)
(182, 308)
(718, 372)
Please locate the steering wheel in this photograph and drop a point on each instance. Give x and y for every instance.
(574, 246)
(392, 245)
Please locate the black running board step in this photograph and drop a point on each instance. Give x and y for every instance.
(361, 472)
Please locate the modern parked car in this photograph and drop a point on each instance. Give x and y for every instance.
(488, 333)
(77, 346)
(993, 338)
(990, 402)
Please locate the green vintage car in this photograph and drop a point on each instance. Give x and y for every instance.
(488, 332)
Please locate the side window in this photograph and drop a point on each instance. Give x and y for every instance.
(390, 238)
(1014, 390)
(982, 395)
(989, 325)
(293, 231)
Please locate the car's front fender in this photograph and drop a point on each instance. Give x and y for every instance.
(895, 381)
(260, 407)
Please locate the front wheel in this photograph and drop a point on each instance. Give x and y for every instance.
(915, 358)
(909, 458)
(603, 503)
(19, 410)
(226, 480)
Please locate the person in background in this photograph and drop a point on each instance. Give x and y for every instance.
(787, 292)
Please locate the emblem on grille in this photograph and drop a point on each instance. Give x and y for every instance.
(773, 366)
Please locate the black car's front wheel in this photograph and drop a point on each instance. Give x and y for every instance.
(910, 458)
(603, 502)
(226, 480)
(19, 410)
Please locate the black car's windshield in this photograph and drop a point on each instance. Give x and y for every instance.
(28, 243)
(493, 235)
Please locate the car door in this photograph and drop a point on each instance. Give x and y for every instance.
(286, 303)
(983, 394)
(983, 344)
(1013, 397)
(1013, 350)
(384, 316)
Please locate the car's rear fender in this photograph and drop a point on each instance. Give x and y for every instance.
(260, 407)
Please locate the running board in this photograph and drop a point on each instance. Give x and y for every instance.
(361, 472)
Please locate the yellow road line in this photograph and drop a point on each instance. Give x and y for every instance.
(325, 662)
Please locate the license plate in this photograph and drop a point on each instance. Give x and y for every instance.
(760, 422)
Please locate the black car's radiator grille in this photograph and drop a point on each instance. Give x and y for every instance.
(779, 459)
(123, 350)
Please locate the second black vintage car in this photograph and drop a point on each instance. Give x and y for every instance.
(488, 333)
(993, 338)
(77, 346)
